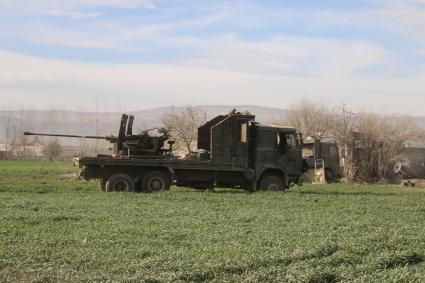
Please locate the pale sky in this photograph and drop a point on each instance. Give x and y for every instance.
(118, 55)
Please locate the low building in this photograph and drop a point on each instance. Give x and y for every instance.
(35, 151)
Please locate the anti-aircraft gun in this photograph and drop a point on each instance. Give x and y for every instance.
(127, 143)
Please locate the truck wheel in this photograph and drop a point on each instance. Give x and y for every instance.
(272, 183)
(156, 181)
(102, 185)
(120, 183)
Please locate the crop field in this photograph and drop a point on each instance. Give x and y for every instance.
(56, 228)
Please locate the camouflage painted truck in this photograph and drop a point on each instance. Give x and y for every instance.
(234, 151)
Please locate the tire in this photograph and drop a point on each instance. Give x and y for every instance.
(272, 183)
(329, 176)
(156, 181)
(102, 185)
(120, 183)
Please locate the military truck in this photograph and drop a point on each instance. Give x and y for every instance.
(322, 154)
(234, 152)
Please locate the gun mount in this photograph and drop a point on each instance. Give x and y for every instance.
(127, 143)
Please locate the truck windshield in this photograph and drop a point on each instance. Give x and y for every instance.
(287, 141)
(292, 140)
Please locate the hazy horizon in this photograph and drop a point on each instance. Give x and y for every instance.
(226, 107)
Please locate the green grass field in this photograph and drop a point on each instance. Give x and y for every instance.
(55, 228)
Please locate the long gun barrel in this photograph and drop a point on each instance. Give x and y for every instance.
(108, 138)
(141, 144)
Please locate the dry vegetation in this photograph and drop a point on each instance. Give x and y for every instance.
(52, 150)
(367, 140)
(184, 126)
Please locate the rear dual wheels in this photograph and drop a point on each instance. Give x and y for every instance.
(120, 183)
(156, 181)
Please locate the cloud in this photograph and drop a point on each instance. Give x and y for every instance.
(73, 14)
(76, 42)
(279, 54)
(218, 35)
(128, 4)
(42, 83)
(131, 32)
(286, 55)
(39, 6)
(404, 17)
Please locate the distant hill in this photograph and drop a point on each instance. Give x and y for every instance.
(263, 114)
(420, 121)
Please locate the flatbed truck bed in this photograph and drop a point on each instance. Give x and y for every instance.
(163, 173)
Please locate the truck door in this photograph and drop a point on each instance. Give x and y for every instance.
(290, 149)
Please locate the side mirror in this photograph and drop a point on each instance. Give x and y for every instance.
(300, 139)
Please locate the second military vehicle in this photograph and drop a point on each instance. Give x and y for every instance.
(235, 152)
(322, 154)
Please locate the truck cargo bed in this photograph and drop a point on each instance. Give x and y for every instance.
(163, 162)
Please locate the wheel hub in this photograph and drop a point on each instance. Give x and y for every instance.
(156, 184)
(120, 186)
(273, 187)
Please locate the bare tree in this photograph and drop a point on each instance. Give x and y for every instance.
(310, 117)
(84, 126)
(343, 130)
(25, 124)
(378, 138)
(367, 141)
(52, 150)
(8, 133)
(184, 125)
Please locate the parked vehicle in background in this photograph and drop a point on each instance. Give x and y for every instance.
(322, 154)
(409, 166)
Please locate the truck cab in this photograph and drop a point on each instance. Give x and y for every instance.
(271, 156)
(276, 151)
